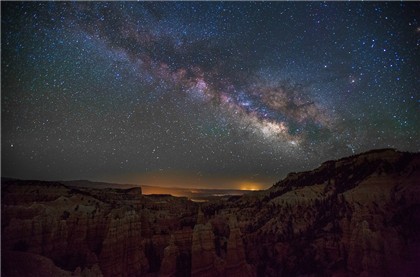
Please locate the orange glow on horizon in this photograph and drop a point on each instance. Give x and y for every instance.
(173, 181)
(253, 186)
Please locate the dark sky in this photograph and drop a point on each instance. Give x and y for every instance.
(198, 94)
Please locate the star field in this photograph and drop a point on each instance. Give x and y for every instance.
(217, 94)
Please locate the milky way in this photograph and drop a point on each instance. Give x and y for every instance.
(218, 93)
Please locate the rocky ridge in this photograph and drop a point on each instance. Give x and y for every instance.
(357, 216)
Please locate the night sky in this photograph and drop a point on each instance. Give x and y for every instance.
(198, 94)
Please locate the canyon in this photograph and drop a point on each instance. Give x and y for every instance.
(357, 216)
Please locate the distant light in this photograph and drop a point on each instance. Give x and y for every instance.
(252, 186)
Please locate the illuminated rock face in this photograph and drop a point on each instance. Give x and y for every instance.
(355, 216)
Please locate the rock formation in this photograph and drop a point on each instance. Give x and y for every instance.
(122, 252)
(357, 216)
(235, 258)
(171, 253)
(86, 232)
(204, 259)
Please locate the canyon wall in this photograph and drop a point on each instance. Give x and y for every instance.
(357, 216)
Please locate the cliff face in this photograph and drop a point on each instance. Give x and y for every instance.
(73, 230)
(220, 255)
(122, 252)
(204, 259)
(171, 254)
(236, 264)
(86, 232)
(358, 216)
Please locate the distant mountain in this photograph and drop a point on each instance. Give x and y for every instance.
(192, 193)
(357, 216)
(96, 185)
(195, 194)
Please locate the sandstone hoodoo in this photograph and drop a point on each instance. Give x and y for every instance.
(357, 216)
(171, 254)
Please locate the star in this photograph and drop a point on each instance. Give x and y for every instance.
(117, 91)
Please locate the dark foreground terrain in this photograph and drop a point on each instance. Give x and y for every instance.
(358, 216)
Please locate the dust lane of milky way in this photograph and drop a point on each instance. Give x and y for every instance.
(246, 92)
